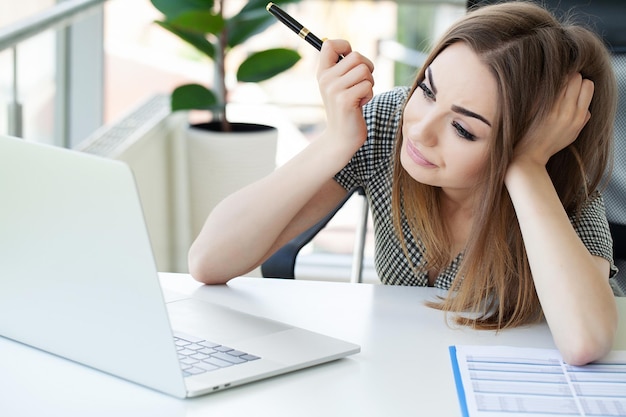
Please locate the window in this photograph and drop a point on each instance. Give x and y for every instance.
(51, 75)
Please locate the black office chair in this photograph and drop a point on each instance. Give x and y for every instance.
(605, 17)
(615, 194)
(282, 264)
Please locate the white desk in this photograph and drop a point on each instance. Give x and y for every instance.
(403, 368)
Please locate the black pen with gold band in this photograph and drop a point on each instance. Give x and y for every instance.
(294, 25)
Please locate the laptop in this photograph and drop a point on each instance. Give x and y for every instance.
(78, 280)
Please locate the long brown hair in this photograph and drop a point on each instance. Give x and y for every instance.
(531, 55)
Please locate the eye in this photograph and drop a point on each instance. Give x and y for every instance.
(427, 91)
(462, 132)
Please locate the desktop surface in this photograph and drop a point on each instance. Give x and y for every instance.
(403, 368)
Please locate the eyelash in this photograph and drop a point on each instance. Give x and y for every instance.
(460, 130)
(427, 91)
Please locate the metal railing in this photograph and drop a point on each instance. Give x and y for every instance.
(60, 16)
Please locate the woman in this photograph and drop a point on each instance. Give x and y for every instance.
(483, 177)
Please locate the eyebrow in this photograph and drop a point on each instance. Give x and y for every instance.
(429, 73)
(455, 108)
(466, 112)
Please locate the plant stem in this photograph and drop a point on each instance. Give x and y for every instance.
(220, 71)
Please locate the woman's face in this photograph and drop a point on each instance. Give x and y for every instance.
(447, 121)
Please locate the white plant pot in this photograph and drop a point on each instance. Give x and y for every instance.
(221, 163)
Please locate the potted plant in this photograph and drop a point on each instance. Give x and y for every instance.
(203, 24)
(218, 165)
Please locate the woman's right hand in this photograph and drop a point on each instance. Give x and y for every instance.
(247, 226)
(345, 85)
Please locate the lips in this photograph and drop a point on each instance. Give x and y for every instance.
(417, 156)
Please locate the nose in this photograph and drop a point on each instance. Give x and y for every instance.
(423, 130)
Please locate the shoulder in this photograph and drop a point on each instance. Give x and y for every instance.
(386, 104)
(372, 160)
(382, 116)
(592, 211)
(592, 226)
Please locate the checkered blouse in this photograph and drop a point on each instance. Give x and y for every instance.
(371, 168)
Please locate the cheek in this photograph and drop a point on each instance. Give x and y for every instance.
(415, 107)
(405, 161)
(470, 163)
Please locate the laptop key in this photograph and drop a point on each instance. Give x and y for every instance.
(195, 370)
(218, 362)
(222, 348)
(207, 351)
(208, 344)
(189, 361)
(228, 358)
(206, 366)
(198, 355)
(194, 346)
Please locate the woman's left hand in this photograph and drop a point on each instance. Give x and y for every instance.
(571, 283)
(562, 125)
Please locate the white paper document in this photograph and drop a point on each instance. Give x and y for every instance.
(509, 381)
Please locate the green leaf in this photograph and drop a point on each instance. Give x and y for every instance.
(242, 27)
(193, 97)
(262, 4)
(266, 64)
(198, 40)
(173, 8)
(251, 20)
(201, 21)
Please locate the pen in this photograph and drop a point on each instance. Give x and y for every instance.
(294, 25)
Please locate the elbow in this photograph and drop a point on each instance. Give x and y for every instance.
(588, 332)
(201, 271)
(202, 276)
(584, 354)
(588, 348)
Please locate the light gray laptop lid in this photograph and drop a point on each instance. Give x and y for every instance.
(77, 274)
(78, 279)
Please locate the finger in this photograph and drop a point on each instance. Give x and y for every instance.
(363, 88)
(565, 96)
(356, 58)
(580, 94)
(351, 62)
(576, 100)
(332, 49)
(355, 73)
(586, 94)
(584, 101)
(368, 96)
(356, 87)
(572, 88)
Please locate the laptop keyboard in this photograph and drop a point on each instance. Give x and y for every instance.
(198, 356)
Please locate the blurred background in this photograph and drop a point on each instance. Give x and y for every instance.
(107, 65)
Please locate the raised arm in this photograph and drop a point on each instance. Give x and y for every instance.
(248, 226)
(572, 284)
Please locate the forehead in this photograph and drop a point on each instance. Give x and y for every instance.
(461, 78)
